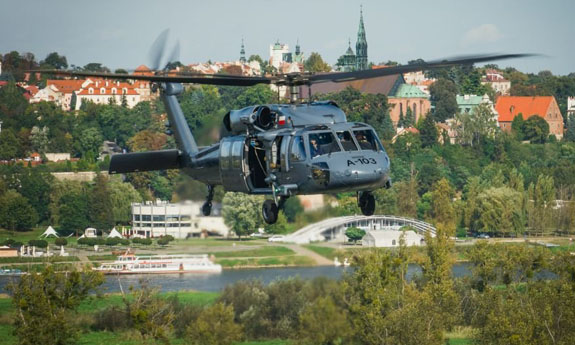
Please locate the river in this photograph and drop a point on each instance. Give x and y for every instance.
(217, 282)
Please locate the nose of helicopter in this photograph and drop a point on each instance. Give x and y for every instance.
(368, 172)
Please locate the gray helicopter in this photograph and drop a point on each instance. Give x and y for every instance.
(280, 150)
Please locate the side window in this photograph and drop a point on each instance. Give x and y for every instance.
(346, 141)
(297, 150)
(367, 140)
(322, 144)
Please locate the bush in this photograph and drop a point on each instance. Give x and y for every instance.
(169, 238)
(215, 325)
(8, 242)
(144, 241)
(124, 241)
(112, 241)
(92, 241)
(111, 319)
(163, 241)
(61, 242)
(38, 243)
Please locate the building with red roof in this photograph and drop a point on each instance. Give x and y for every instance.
(545, 106)
(102, 91)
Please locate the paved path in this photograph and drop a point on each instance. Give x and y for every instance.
(299, 250)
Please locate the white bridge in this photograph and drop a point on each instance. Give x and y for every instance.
(333, 229)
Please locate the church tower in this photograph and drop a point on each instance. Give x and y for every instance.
(243, 53)
(361, 45)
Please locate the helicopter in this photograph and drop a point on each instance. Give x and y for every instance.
(279, 150)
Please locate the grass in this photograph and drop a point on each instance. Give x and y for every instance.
(40, 267)
(460, 336)
(218, 242)
(326, 252)
(21, 236)
(293, 260)
(264, 251)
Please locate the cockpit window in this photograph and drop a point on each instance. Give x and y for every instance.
(297, 150)
(346, 141)
(367, 140)
(322, 144)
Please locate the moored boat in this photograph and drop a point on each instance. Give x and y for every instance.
(132, 264)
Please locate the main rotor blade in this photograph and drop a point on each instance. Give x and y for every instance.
(175, 55)
(211, 79)
(157, 49)
(374, 73)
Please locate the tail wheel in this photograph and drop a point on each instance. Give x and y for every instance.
(270, 211)
(366, 203)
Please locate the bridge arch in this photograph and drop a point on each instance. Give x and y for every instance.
(333, 229)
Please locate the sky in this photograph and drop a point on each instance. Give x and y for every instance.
(119, 33)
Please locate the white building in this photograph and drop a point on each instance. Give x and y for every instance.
(106, 92)
(570, 105)
(390, 238)
(497, 81)
(277, 52)
(181, 220)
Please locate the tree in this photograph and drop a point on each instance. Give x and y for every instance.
(122, 195)
(45, 304)
(428, 132)
(442, 210)
(55, 61)
(148, 313)
(36, 186)
(90, 140)
(255, 57)
(315, 64)
(101, 213)
(9, 145)
(292, 208)
(517, 126)
(16, 213)
(354, 234)
(443, 93)
(241, 212)
(500, 211)
(570, 130)
(95, 67)
(215, 326)
(323, 322)
(473, 128)
(147, 140)
(73, 212)
(407, 202)
(279, 227)
(536, 129)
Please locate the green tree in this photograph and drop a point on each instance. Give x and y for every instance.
(570, 129)
(241, 213)
(517, 126)
(259, 94)
(55, 60)
(443, 96)
(428, 132)
(315, 64)
(354, 234)
(536, 129)
(442, 210)
(215, 326)
(90, 140)
(36, 186)
(149, 314)
(472, 129)
(122, 195)
(16, 213)
(323, 322)
(73, 211)
(280, 226)
(101, 213)
(45, 303)
(10, 147)
(540, 210)
(292, 208)
(500, 211)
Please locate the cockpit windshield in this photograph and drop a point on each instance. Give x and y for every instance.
(322, 144)
(346, 141)
(367, 140)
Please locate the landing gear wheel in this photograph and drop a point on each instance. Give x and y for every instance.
(366, 203)
(207, 208)
(270, 211)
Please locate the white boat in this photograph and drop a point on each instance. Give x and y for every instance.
(132, 264)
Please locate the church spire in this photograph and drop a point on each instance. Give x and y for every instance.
(243, 53)
(361, 44)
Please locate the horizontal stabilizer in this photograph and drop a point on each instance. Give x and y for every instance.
(145, 161)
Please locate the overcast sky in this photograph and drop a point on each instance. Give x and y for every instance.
(118, 33)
